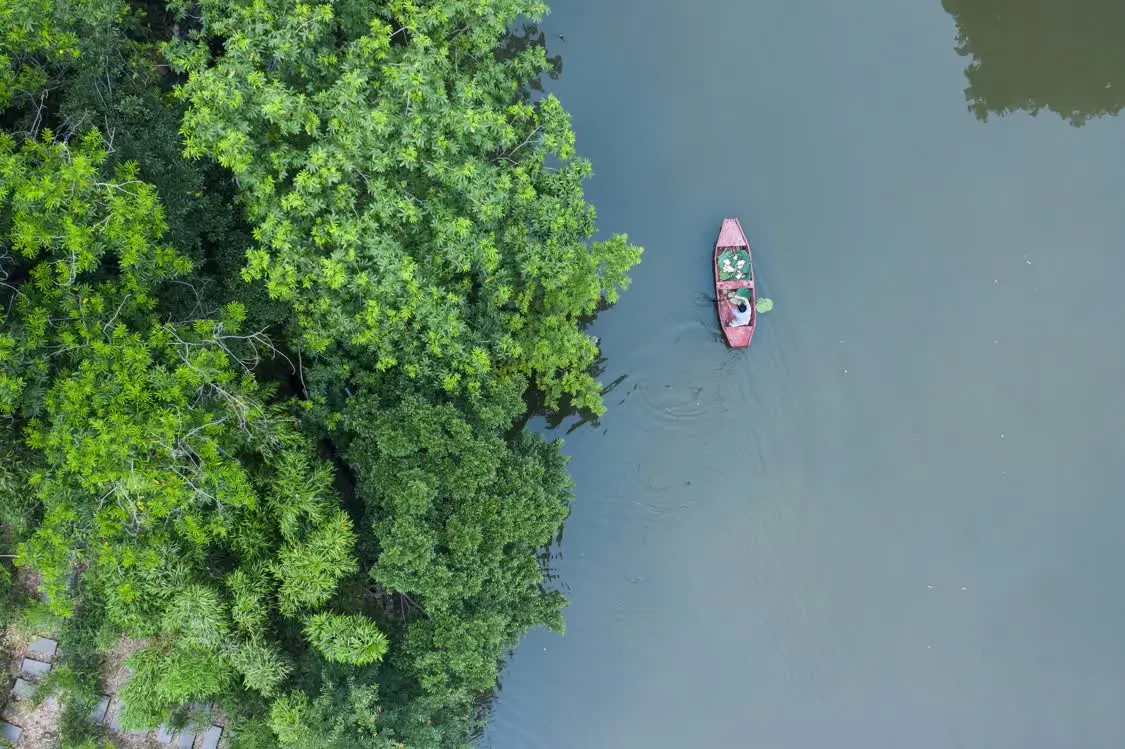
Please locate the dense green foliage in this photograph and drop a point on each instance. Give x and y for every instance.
(401, 191)
(32, 43)
(158, 452)
(278, 280)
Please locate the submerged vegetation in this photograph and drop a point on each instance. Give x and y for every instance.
(279, 279)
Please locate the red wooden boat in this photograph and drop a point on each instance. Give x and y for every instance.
(734, 275)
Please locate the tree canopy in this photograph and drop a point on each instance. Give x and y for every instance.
(414, 208)
(279, 279)
(169, 486)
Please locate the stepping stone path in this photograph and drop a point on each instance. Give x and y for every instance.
(43, 646)
(9, 732)
(185, 740)
(115, 723)
(211, 737)
(24, 689)
(97, 715)
(34, 668)
(43, 649)
(182, 740)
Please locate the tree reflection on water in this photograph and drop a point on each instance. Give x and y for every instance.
(1066, 56)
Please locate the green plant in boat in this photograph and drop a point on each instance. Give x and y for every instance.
(734, 265)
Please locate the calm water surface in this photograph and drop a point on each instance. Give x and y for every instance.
(897, 521)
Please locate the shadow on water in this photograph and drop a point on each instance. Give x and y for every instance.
(516, 43)
(1066, 56)
(555, 418)
(575, 417)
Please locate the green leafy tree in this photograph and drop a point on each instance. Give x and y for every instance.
(171, 492)
(262, 664)
(408, 203)
(423, 216)
(32, 42)
(459, 514)
(345, 713)
(346, 639)
(166, 676)
(413, 210)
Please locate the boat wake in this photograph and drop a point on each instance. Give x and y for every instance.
(675, 376)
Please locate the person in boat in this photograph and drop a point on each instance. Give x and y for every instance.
(741, 314)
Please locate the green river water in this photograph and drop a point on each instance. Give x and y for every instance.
(897, 520)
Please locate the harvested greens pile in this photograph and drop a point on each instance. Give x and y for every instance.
(734, 265)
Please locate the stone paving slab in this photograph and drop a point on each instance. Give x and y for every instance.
(164, 734)
(115, 722)
(24, 689)
(185, 740)
(43, 646)
(10, 732)
(32, 667)
(211, 738)
(97, 715)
